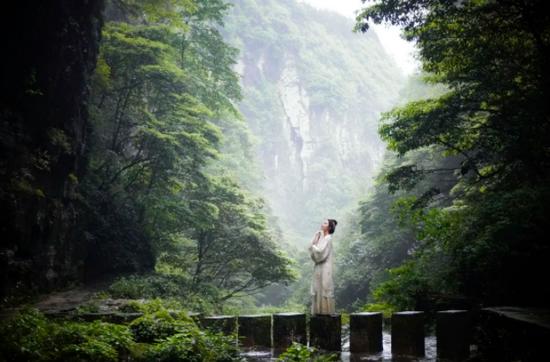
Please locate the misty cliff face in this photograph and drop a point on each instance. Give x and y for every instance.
(313, 92)
(43, 132)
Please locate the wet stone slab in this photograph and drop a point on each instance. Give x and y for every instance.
(366, 332)
(453, 334)
(407, 334)
(288, 328)
(325, 332)
(254, 330)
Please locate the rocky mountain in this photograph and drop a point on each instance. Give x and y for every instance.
(313, 92)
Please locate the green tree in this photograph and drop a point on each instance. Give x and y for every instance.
(163, 93)
(495, 119)
(234, 254)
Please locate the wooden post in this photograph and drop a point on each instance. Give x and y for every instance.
(407, 334)
(255, 330)
(325, 332)
(366, 332)
(221, 323)
(288, 328)
(453, 333)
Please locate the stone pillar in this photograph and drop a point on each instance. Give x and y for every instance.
(453, 332)
(255, 330)
(365, 332)
(407, 334)
(325, 332)
(220, 323)
(288, 328)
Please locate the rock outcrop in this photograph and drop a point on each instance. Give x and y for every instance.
(313, 91)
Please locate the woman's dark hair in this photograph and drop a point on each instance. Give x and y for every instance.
(332, 225)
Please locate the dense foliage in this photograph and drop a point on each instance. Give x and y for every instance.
(488, 245)
(162, 94)
(156, 336)
(143, 183)
(124, 153)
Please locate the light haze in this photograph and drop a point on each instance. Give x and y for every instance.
(399, 49)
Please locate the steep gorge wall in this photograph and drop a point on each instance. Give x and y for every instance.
(49, 54)
(313, 95)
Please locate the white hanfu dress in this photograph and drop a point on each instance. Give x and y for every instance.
(322, 287)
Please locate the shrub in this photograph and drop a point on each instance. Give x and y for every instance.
(170, 336)
(93, 341)
(154, 285)
(29, 336)
(26, 336)
(152, 327)
(300, 353)
(166, 286)
(92, 350)
(195, 345)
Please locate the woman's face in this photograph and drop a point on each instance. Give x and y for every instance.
(324, 226)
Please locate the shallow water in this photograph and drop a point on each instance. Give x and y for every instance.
(345, 355)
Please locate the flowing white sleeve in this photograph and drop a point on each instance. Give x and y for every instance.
(319, 252)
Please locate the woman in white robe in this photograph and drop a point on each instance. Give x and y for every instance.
(322, 286)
